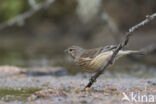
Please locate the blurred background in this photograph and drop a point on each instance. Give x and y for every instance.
(35, 33)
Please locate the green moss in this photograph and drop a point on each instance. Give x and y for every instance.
(10, 8)
(12, 94)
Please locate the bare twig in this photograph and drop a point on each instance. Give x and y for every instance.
(19, 19)
(120, 46)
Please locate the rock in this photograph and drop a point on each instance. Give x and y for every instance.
(47, 93)
(77, 90)
(110, 90)
(9, 70)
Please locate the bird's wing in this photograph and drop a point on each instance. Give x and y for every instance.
(92, 53)
(109, 48)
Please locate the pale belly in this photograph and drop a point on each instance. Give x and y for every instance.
(100, 60)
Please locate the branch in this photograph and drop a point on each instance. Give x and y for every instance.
(19, 19)
(121, 45)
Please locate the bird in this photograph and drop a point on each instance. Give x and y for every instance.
(90, 60)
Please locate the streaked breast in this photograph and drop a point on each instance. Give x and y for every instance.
(100, 60)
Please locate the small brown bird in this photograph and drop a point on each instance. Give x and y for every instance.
(92, 59)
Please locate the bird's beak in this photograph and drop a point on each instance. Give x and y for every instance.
(66, 51)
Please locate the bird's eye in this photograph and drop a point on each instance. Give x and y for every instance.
(70, 50)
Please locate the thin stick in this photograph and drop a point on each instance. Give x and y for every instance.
(120, 46)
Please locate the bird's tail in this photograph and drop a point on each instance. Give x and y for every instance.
(129, 52)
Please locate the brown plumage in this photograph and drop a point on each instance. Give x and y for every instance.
(92, 59)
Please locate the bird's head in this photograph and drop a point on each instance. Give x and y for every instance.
(74, 51)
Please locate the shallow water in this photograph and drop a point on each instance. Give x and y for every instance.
(10, 94)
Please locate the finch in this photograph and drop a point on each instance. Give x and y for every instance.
(92, 59)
